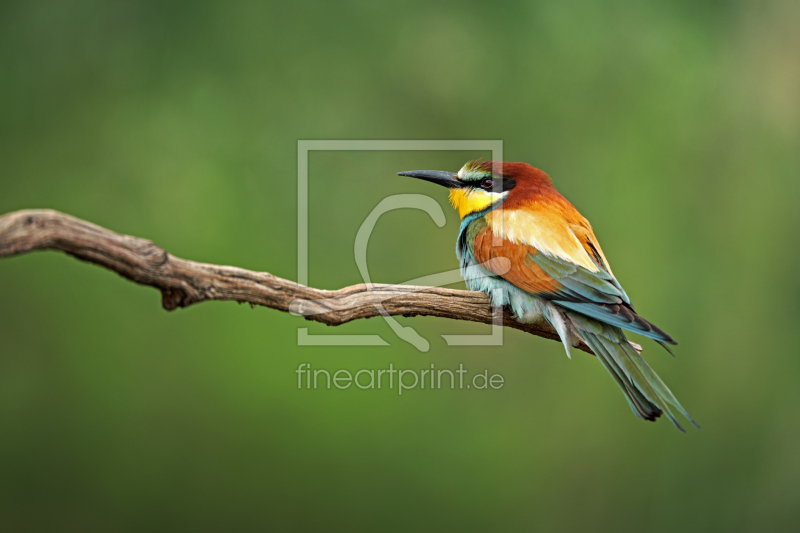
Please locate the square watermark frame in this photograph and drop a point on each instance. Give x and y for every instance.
(304, 338)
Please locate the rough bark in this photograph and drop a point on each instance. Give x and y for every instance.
(183, 283)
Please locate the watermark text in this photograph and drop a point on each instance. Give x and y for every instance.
(392, 378)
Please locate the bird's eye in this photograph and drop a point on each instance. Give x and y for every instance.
(487, 183)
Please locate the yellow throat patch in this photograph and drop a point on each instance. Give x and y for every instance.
(468, 201)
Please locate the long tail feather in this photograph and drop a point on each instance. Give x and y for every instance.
(647, 395)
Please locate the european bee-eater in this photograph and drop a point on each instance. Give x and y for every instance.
(520, 235)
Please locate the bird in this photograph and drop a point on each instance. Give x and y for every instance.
(520, 235)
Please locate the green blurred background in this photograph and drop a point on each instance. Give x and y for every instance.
(674, 128)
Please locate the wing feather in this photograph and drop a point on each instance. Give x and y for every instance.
(596, 294)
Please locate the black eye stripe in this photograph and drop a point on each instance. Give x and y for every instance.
(495, 184)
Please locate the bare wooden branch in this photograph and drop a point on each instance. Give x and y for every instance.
(183, 282)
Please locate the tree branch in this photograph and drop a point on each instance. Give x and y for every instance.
(183, 282)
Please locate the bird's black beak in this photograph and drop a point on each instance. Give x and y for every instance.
(439, 177)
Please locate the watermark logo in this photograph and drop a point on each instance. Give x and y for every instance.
(399, 201)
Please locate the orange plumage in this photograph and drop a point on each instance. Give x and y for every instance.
(536, 197)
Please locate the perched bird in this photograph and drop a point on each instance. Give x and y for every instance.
(520, 235)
